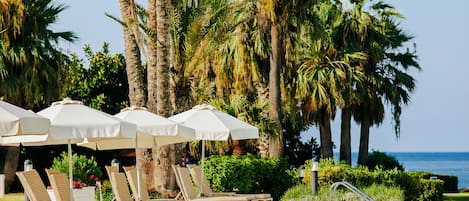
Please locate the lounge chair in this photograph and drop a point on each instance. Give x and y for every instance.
(50, 172)
(110, 170)
(127, 168)
(131, 174)
(33, 185)
(120, 188)
(196, 173)
(188, 192)
(60, 186)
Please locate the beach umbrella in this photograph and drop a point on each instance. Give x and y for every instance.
(73, 122)
(152, 130)
(16, 121)
(211, 124)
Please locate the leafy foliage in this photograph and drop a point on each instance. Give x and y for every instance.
(30, 61)
(381, 160)
(85, 169)
(414, 185)
(248, 174)
(103, 84)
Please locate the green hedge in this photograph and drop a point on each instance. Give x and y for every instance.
(450, 182)
(414, 185)
(249, 174)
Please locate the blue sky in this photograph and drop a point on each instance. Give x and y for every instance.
(437, 119)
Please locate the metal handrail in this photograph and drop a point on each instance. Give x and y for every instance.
(351, 187)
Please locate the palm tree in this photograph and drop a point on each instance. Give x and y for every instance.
(385, 69)
(132, 50)
(273, 17)
(11, 19)
(165, 154)
(321, 70)
(33, 64)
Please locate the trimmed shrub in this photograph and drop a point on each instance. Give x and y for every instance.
(450, 182)
(377, 159)
(431, 190)
(413, 184)
(249, 174)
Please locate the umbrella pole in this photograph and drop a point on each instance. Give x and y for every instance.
(70, 166)
(202, 172)
(137, 166)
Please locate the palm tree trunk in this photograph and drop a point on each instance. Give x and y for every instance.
(149, 168)
(132, 57)
(10, 165)
(151, 54)
(275, 107)
(345, 135)
(165, 155)
(364, 141)
(326, 137)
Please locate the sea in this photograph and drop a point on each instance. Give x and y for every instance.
(450, 163)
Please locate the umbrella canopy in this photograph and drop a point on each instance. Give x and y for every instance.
(211, 124)
(152, 130)
(15, 121)
(72, 122)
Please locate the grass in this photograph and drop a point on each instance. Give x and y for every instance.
(448, 197)
(13, 197)
(456, 196)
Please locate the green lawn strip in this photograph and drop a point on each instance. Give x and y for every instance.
(13, 197)
(456, 196)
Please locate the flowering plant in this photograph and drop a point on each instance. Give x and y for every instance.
(85, 169)
(81, 184)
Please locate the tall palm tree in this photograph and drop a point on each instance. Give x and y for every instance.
(11, 19)
(273, 15)
(165, 155)
(321, 70)
(385, 69)
(32, 59)
(33, 63)
(132, 50)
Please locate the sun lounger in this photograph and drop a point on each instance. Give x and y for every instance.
(131, 174)
(120, 188)
(33, 186)
(110, 170)
(196, 173)
(60, 186)
(188, 192)
(50, 172)
(127, 168)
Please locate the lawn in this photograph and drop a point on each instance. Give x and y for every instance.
(13, 197)
(456, 196)
(448, 197)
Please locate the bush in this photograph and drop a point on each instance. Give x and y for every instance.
(377, 192)
(450, 182)
(413, 184)
(85, 170)
(378, 159)
(249, 174)
(431, 190)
